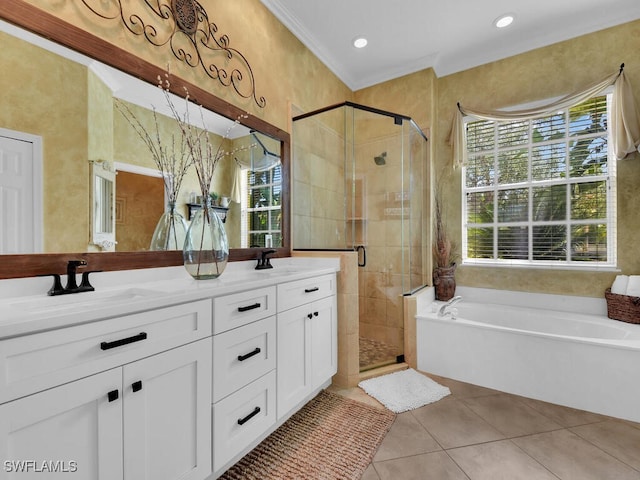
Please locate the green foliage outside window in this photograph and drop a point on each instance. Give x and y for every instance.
(538, 190)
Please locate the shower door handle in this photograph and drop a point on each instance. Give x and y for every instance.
(360, 248)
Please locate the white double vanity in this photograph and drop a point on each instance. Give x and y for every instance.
(157, 376)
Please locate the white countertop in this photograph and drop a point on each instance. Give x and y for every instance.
(26, 308)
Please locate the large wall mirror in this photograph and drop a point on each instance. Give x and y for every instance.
(66, 100)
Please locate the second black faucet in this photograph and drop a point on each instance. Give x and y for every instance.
(264, 261)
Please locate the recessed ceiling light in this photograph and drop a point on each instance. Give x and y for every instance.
(360, 42)
(504, 20)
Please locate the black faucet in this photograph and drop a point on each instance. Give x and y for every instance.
(72, 267)
(71, 286)
(264, 261)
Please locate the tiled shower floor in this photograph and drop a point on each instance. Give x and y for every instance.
(374, 353)
(482, 434)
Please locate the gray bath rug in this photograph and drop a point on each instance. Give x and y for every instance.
(405, 390)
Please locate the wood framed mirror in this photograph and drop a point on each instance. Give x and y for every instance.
(30, 18)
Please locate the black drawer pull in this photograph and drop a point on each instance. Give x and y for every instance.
(242, 421)
(123, 341)
(249, 307)
(242, 358)
(112, 395)
(136, 386)
(315, 314)
(309, 316)
(311, 290)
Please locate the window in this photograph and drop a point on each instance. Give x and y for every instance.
(263, 208)
(541, 191)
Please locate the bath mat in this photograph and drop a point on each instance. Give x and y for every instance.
(329, 438)
(405, 390)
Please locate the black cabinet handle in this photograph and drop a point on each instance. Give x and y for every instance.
(242, 358)
(311, 290)
(136, 386)
(249, 307)
(309, 315)
(112, 395)
(123, 341)
(315, 314)
(242, 421)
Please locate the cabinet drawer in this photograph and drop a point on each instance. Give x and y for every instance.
(231, 311)
(240, 419)
(242, 355)
(35, 362)
(296, 293)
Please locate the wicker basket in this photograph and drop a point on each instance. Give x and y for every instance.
(622, 307)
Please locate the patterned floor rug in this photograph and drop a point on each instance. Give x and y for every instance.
(330, 438)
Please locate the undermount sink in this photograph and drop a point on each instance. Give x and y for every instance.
(80, 300)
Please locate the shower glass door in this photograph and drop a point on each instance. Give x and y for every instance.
(359, 184)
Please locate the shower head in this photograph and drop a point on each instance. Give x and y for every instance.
(381, 159)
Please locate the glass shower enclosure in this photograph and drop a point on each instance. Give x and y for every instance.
(359, 180)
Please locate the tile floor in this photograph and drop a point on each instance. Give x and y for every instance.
(477, 434)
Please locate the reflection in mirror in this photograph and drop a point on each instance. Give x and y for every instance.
(77, 115)
(103, 205)
(263, 192)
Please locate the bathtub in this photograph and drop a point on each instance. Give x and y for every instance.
(558, 349)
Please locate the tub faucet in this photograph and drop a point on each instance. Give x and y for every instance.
(445, 310)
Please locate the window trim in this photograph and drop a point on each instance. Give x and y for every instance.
(611, 218)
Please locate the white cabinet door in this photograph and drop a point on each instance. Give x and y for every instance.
(307, 351)
(167, 414)
(294, 358)
(323, 341)
(76, 427)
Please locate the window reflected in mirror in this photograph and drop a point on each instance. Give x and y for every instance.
(103, 180)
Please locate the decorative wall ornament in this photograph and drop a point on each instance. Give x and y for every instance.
(184, 26)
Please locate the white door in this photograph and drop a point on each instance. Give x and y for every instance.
(324, 345)
(74, 428)
(20, 193)
(167, 414)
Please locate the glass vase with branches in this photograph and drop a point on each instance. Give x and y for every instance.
(206, 248)
(172, 158)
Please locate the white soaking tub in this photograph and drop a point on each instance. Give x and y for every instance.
(559, 349)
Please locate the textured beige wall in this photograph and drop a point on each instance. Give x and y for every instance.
(53, 105)
(541, 74)
(284, 69)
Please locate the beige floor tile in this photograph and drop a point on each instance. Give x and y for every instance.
(462, 389)
(406, 437)
(565, 416)
(499, 461)
(453, 424)
(429, 466)
(619, 439)
(570, 457)
(370, 474)
(508, 414)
